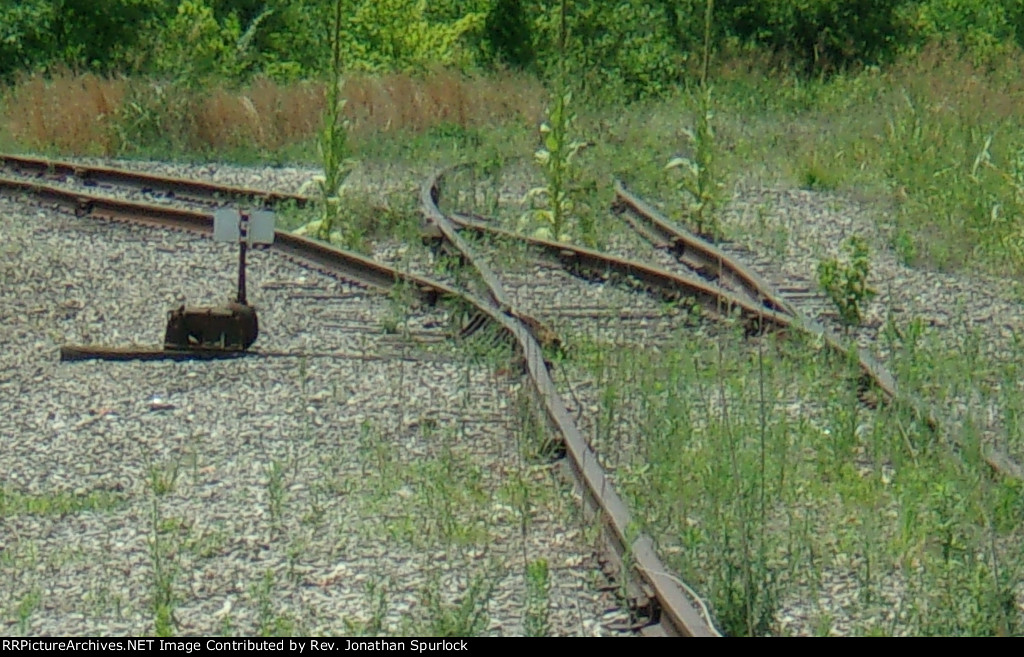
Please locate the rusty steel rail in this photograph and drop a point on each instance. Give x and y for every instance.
(672, 286)
(701, 256)
(669, 234)
(590, 263)
(651, 589)
(658, 593)
(308, 252)
(762, 306)
(175, 187)
(71, 353)
(873, 372)
(544, 335)
(95, 352)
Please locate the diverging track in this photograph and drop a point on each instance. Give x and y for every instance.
(716, 282)
(653, 592)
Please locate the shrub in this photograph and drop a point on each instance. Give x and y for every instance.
(846, 283)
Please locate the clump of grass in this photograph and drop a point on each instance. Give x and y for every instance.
(163, 479)
(260, 120)
(414, 104)
(263, 116)
(537, 620)
(66, 114)
(466, 616)
(368, 219)
(13, 503)
(276, 489)
(816, 174)
(163, 596)
(269, 623)
(25, 608)
(778, 501)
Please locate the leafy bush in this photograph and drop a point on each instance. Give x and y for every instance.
(634, 48)
(195, 46)
(985, 28)
(508, 34)
(37, 34)
(402, 34)
(24, 34)
(847, 283)
(628, 43)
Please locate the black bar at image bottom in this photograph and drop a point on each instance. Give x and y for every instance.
(299, 646)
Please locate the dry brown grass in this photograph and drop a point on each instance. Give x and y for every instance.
(265, 115)
(65, 113)
(403, 102)
(80, 114)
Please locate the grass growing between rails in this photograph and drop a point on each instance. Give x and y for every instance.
(794, 509)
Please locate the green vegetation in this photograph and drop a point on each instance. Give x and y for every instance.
(847, 283)
(164, 596)
(639, 46)
(13, 503)
(333, 141)
(555, 156)
(762, 496)
(698, 181)
(910, 102)
(466, 616)
(538, 587)
(269, 623)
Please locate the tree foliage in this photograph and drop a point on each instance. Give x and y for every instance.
(640, 45)
(628, 42)
(819, 35)
(74, 33)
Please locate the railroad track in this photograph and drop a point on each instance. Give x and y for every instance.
(171, 188)
(723, 283)
(718, 282)
(654, 593)
(721, 286)
(716, 279)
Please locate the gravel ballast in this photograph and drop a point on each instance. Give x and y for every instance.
(367, 492)
(781, 233)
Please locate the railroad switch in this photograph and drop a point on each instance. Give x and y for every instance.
(204, 331)
(232, 327)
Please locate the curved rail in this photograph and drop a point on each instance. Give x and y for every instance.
(873, 371)
(701, 256)
(656, 591)
(712, 297)
(668, 602)
(589, 263)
